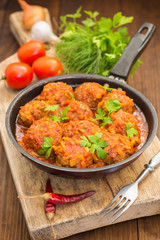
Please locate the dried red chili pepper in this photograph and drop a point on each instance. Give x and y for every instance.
(66, 199)
(50, 208)
(63, 199)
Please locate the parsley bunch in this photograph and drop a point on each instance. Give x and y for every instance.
(112, 105)
(61, 116)
(95, 144)
(94, 46)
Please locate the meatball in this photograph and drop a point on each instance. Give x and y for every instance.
(126, 102)
(119, 148)
(90, 93)
(41, 128)
(77, 129)
(79, 111)
(31, 111)
(71, 154)
(57, 93)
(120, 119)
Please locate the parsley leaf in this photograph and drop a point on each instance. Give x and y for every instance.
(100, 152)
(101, 115)
(63, 113)
(112, 105)
(85, 142)
(95, 138)
(61, 116)
(130, 130)
(95, 144)
(51, 108)
(119, 20)
(107, 88)
(46, 147)
(106, 120)
(72, 95)
(56, 118)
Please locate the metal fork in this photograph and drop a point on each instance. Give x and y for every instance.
(128, 194)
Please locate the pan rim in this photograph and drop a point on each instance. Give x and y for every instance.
(76, 170)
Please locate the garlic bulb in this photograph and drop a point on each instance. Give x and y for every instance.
(42, 31)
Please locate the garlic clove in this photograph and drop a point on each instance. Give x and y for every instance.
(42, 31)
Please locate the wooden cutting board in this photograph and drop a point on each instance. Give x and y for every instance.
(82, 216)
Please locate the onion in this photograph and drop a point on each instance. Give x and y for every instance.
(42, 31)
(31, 14)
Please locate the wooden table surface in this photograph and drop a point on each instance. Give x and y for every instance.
(146, 80)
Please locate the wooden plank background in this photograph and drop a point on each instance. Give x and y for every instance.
(146, 80)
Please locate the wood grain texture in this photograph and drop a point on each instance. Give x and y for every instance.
(146, 80)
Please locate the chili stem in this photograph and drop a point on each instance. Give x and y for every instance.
(28, 197)
(54, 234)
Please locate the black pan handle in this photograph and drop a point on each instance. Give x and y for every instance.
(133, 50)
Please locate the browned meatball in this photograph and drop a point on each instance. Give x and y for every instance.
(79, 111)
(77, 129)
(120, 120)
(126, 102)
(119, 148)
(57, 93)
(31, 111)
(90, 93)
(44, 127)
(71, 154)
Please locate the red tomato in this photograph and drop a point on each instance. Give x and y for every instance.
(45, 67)
(18, 75)
(30, 51)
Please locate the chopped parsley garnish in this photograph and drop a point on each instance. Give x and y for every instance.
(95, 144)
(46, 147)
(101, 115)
(51, 108)
(61, 116)
(106, 88)
(63, 113)
(111, 105)
(130, 130)
(72, 95)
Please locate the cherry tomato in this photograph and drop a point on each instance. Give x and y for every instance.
(45, 67)
(30, 51)
(18, 75)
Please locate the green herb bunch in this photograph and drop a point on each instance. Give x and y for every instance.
(94, 46)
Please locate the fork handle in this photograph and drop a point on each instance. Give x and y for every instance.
(154, 162)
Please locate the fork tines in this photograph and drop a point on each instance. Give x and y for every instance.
(118, 203)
